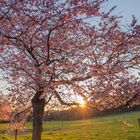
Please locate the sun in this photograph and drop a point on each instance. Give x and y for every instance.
(81, 101)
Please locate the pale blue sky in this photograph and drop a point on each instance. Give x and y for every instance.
(126, 8)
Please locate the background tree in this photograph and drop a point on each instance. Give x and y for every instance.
(17, 122)
(5, 108)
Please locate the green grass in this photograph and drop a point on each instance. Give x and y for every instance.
(100, 128)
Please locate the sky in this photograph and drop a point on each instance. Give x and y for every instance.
(125, 8)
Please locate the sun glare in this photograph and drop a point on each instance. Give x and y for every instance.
(81, 101)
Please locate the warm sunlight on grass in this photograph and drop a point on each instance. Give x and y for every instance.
(104, 128)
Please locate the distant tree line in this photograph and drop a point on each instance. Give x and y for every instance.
(76, 113)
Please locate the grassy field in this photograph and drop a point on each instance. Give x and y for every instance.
(114, 127)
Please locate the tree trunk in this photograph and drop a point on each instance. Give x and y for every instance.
(38, 110)
(16, 131)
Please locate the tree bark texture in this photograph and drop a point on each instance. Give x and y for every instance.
(38, 110)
